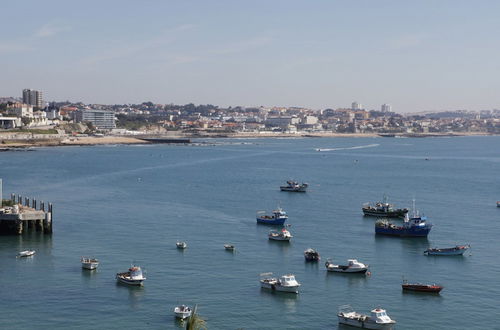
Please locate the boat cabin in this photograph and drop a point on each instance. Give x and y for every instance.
(380, 316)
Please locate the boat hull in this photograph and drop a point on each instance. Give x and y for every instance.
(280, 288)
(273, 221)
(403, 232)
(422, 288)
(301, 189)
(368, 324)
(128, 281)
(90, 265)
(390, 214)
(445, 252)
(347, 270)
(182, 315)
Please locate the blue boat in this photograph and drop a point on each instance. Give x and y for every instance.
(278, 217)
(417, 226)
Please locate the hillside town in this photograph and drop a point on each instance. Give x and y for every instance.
(31, 112)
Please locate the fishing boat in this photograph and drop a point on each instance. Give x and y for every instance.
(311, 255)
(133, 276)
(294, 186)
(278, 217)
(285, 283)
(378, 318)
(453, 251)
(432, 288)
(182, 312)
(353, 266)
(416, 226)
(181, 245)
(383, 209)
(229, 247)
(280, 235)
(89, 263)
(27, 253)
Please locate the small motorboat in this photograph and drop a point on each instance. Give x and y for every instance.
(27, 253)
(134, 276)
(181, 245)
(285, 283)
(280, 235)
(294, 186)
(378, 319)
(229, 247)
(498, 203)
(182, 312)
(89, 263)
(353, 266)
(453, 251)
(278, 217)
(311, 255)
(432, 288)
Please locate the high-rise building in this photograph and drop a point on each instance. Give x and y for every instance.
(386, 108)
(101, 119)
(33, 97)
(356, 106)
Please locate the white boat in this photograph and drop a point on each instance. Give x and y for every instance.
(229, 247)
(353, 266)
(181, 245)
(89, 263)
(453, 251)
(283, 235)
(378, 319)
(182, 312)
(134, 276)
(27, 253)
(285, 283)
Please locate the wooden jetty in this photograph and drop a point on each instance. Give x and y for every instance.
(20, 214)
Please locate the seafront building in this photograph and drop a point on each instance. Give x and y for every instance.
(102, 119)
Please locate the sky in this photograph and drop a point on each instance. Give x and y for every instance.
(415, 55)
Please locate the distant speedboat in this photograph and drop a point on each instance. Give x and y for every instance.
(285, 283)
(134, 276)
(353, 266)
(89, 263)
(182, 312)
(311, 255)
(378, 319)
(278, 217)
(294, 186)
(27, 253)
(453, 251)
(432, 288)
(181, 245)
(229, 247)
(280, 235)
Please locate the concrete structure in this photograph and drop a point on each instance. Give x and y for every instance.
(21, 110)
(101, 119)
(33, 97)
(310, 120)
(10, 122)
(356, 106)
(386, 108)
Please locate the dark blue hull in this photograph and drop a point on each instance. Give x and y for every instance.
(279, 221)
(403, 232)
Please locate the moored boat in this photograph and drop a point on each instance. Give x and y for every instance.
(311, 255)
(378, 318)
(498, 203)
(89, 263)
(453, 251)
(285, 283)
(416, 226)
(133, 276)
(383, 209)
(294, 186)
(182, 312)
(26, 253)
(353, 266)
(280, 235)
(278, 217)
(432, 288)
(181, 245)
(229, 247)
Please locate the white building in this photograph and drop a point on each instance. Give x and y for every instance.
(101, 119)
(21, 110)
(310, 120)
(356, 106)
(386, 108)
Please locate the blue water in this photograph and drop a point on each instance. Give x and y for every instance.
(126, 204)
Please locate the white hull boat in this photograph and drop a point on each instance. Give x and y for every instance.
(229, 247)
(353, 266)
(182, 312)
(378, 319)
(454, 251)
(283, 235)
(285, 283)
(134, 276)
(181, 245)
(27, 253)
(89, 263)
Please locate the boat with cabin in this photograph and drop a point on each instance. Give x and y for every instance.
(416, 226)
(229, 247)
(278, 217)
(294, 186)
(285, 283)
(133, 276)
(453, 251)
(311, 255)
(280, 235)
(182, 312)
(353, 266)
(89, 263)
(431, 288)
(181, 245)
(378, 318)
(26, 253)
(383, 209)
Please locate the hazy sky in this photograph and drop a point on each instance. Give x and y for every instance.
(415, 55)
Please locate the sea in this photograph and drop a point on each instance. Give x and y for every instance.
(130, 204)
